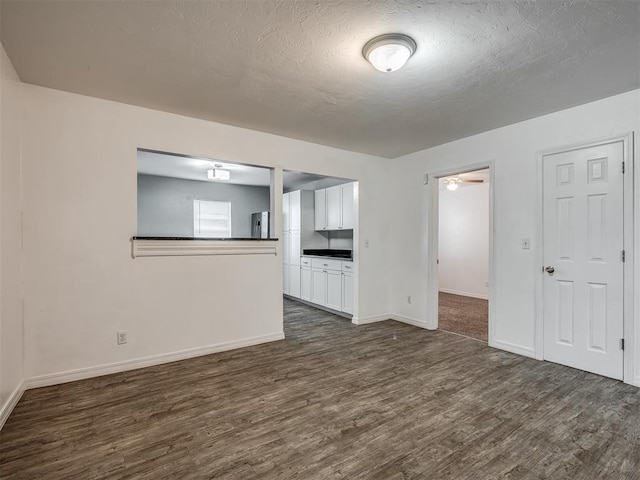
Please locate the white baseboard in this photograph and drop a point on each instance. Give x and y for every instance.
(513, 348)
(635, 381)
(99, 370)
(374, 319)
(465, 294)
(11, 403)
(411, 321)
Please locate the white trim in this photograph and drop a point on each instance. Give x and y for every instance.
(630, 320)
(374, 319)
(432, 248)
(168, 248)
(513, 348)
(465, 294)
(117, 367)
(410, 321)
(11, 403)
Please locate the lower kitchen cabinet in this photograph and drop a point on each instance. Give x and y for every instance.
(294, 281)
(327, 282)
(318, 286)
(347, 292)
(334, 289)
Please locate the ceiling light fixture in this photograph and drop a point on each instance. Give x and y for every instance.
(389, 52)
(218, 174)
(452, 184)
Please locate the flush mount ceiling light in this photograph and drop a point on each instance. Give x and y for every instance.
(218, 174)
(389, 52)
(452, 184)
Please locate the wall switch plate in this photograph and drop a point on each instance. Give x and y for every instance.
(409, 299)
(122, 337)
(526, 244)
(366, 243)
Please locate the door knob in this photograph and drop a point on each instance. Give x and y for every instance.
(549, 270)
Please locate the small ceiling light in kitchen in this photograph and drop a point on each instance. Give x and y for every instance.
(452, 184)
(389, 52)
(218, 174)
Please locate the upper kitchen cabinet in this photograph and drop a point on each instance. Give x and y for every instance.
(321, 209)
(334, 208)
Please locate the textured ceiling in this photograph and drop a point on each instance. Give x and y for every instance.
(295, 68)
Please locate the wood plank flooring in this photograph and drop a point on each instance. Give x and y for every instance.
(379, 401)
(464, 315)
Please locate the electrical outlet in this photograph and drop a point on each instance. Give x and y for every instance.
(366, 243)
(409, 299)
(122, 337)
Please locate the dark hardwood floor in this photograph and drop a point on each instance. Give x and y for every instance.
(379, 401)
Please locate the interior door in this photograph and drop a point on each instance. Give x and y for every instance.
(583, 245)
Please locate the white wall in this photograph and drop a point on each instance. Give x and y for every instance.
(165, 205)
(11, 337)
(80, 282)
(514, 149)
(463, 245)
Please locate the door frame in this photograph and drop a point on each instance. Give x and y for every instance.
(433, 247)
(628, 245)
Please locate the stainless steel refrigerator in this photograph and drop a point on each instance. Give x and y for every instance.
(260, 225)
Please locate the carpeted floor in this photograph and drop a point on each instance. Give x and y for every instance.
(464, 315)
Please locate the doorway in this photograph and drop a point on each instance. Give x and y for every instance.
(585, 236)
(463, 253)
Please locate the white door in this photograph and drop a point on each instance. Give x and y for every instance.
(583, 243)
(286, 275)
(334, 289)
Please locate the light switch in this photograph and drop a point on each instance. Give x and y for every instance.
(526, 244)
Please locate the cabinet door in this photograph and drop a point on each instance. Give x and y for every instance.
(334, 289)
(294, 281)
(347, 292)
(286, 248)
(294, 248)
(320, 200)
(305, 284)
(318, 286)
(286, 216)
(347, 205)
(334, 208)
(286, 273)
(294, 210)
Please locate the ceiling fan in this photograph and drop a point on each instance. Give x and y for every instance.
(452, 183)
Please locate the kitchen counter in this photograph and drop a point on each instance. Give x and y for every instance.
(329, 253)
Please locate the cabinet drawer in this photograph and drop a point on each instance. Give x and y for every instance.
(305, 261)
(326, 263)
(347, 266)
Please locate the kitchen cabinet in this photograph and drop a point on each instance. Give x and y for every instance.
(305, 283)
(347, 287)
(320, 202)
(347, 206)
(294, 280)
(318, 286)
(298, 231)
(334, 289)
(334, 208)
